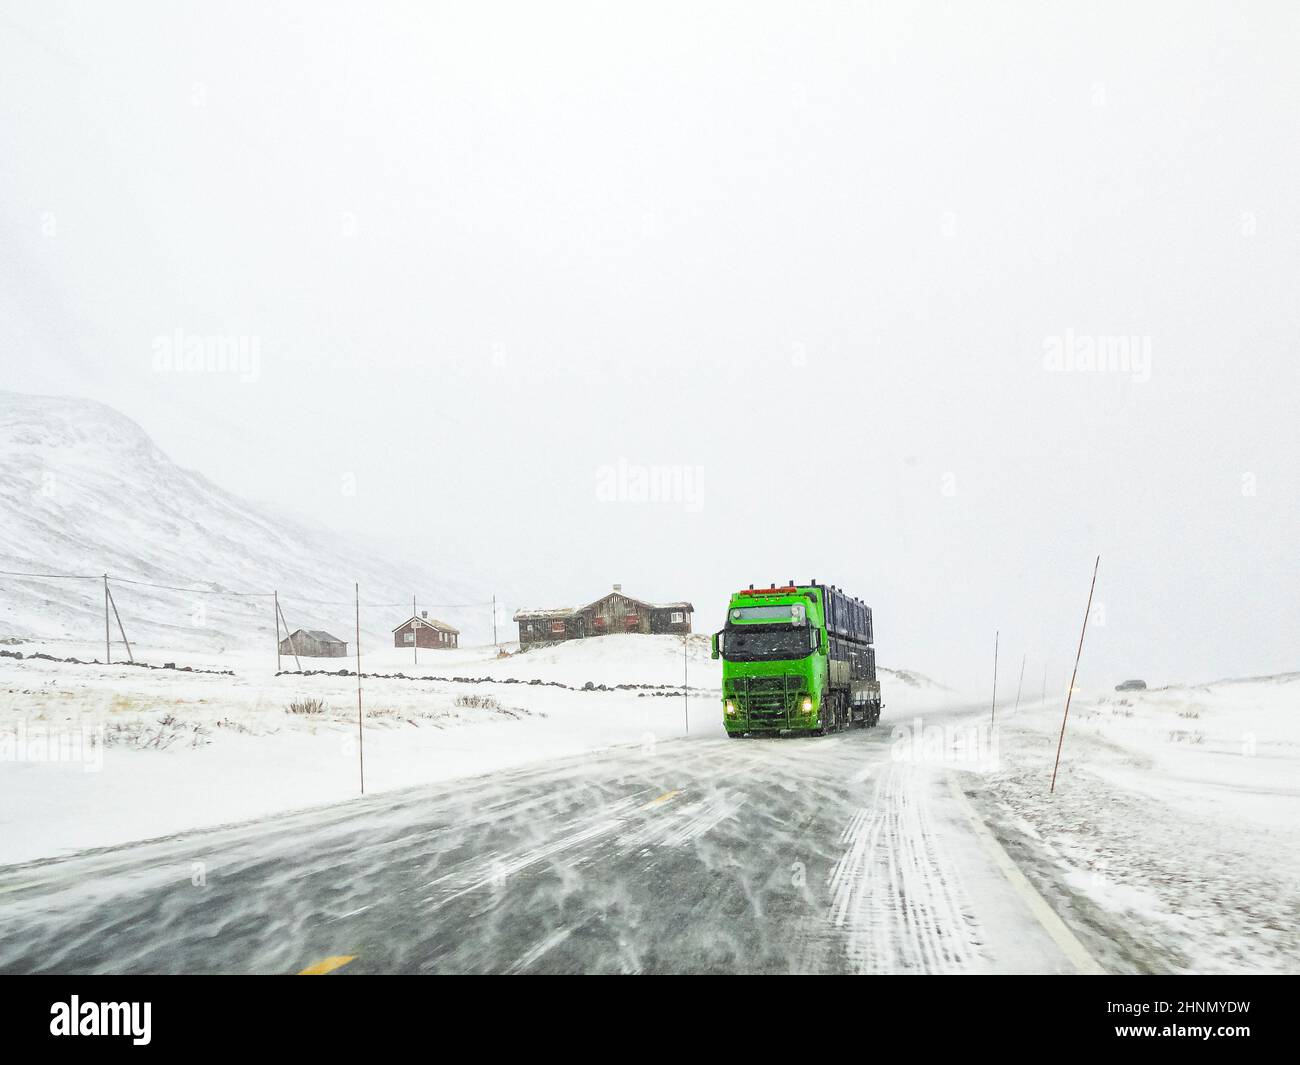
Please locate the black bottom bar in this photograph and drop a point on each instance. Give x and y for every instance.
(1225, 1015)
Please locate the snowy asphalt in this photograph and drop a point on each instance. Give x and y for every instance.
(704, 855)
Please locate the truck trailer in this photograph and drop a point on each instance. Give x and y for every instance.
(797, 659)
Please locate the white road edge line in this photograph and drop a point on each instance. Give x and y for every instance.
(1075, 951)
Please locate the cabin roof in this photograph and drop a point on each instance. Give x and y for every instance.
(571, 611)
(555, 612)
(432, 623)
(317, 634)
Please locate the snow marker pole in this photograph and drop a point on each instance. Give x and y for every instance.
(1022, 680)
(108, 651)
(277, 630)
(361, 751)
(1074, 676)
(993, 713)
(686, 672)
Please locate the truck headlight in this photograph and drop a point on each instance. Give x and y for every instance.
(730, 707)
(807, 704)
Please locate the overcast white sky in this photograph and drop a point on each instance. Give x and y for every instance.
(813, 257)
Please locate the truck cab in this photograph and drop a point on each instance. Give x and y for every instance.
(796, 659)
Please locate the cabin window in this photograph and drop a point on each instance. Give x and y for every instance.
(409, 637)
(677, 617)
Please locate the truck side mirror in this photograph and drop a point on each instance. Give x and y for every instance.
(715, 642)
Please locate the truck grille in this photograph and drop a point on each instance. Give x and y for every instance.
(768, 700)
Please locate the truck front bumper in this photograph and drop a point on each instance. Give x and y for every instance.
(738, 718)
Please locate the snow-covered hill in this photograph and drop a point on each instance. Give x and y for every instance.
(83, 490)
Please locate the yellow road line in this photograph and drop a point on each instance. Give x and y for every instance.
(665, 797)
(327, 965)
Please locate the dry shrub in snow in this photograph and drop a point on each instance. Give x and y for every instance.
(306, 706)
(166, 732)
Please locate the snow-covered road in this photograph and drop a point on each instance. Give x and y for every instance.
(703, 855)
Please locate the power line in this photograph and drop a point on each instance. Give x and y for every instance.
(59, 576)
(191, 591)
(240, 595)
(429, 606)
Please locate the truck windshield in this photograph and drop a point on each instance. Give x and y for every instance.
(753, 643)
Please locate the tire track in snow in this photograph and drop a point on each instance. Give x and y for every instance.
(893, 900)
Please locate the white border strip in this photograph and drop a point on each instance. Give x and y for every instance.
(1038, 906)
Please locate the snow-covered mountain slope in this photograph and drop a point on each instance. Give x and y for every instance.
(83, 490)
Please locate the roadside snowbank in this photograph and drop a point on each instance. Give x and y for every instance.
(1174, 831)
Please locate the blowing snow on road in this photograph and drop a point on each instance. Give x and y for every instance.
(822, 855)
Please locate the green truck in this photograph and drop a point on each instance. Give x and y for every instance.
(797, 659)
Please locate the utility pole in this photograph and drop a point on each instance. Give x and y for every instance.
(293, 646)
(495, 642)
(415, 632)
(108, 651)
(361, 751)
(993, 713)
(1074, 676)
(277, 630)
(125, 642)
